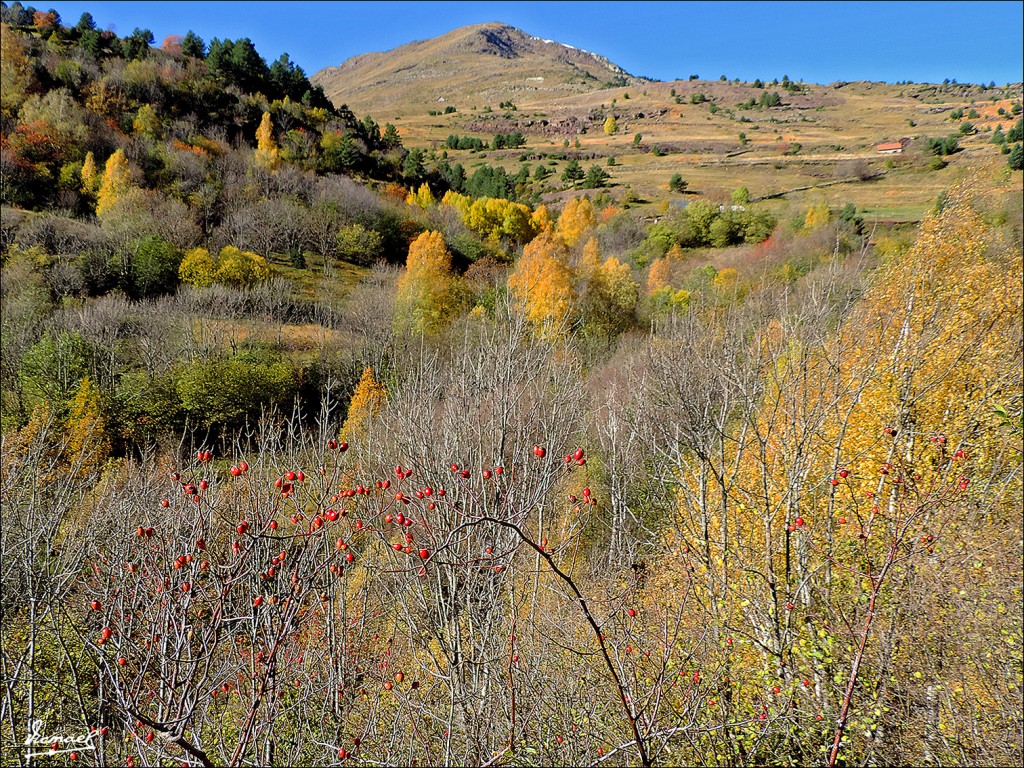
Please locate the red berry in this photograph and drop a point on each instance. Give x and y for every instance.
(235, 471)
(424, 554)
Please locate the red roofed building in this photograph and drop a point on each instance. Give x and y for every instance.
(892, 147)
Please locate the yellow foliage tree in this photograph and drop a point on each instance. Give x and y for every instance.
(368, 400)
(725, 280)
(147, 122)
(675, 253)
(542, 219)
(611, 126)
(15, 70)
(267, 153)
(866, 440)
(422, 197)
(87, 445)
(197, 268)
(240, 268)
(494, 218)
(90, 175)
(576, 219)
(590, 261)
(427, 294)
(542, 282)
(658, 275)
(817, 216)
(610, 298)
(460, 203)
(117, 180)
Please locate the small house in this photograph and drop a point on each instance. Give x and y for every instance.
(892, 147)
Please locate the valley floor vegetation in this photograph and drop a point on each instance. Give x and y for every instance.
(310, 457)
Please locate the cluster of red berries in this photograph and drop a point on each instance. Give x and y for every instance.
(577, 457)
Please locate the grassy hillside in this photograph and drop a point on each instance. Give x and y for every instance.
(823, 137)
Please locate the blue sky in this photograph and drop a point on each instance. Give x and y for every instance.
(813, 41)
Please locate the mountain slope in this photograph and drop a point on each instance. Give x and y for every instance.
(474, 65)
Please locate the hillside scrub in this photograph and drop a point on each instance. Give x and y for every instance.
(312, 453)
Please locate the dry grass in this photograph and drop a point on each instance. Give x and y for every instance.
(838, 129)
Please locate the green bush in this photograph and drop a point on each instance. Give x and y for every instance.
(228, 392)
(154, 267)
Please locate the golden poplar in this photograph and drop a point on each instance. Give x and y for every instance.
(541, 218)
(368, 400)
(422, 197)
(117, 180)
(542, 282)
(90, 175)
(658, 275)
(817, 216)
(427, 295)
(87, 445)
(576, 219)
(267, 153)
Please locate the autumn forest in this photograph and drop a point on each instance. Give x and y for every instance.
(326, 441)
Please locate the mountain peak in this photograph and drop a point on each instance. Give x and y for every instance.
(490, 62)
